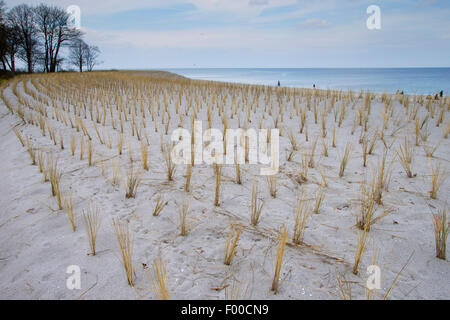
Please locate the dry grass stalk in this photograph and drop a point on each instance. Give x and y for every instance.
(232, 241)
(183, 215)
(345, 158)
(31, 151)
(366, 217)
(238, 173)
(333, 143)
(115, 171)
(81, 149)
(126, 248)
(441, 233)
(144, 154)
(324, 183)
(73, 145)
(257, 206)
(437, 178)
(304, 169)
(54, 177)
(430, 150)
(91, 220)
(187, 186)
(132, 182)
(90, 151)
(218, 174)
(282, 237)
(302, 214)
(365, 147)
(372, 143)
(292, 140)
(446, 129)
(313, 151)
(170, 166)
(273, 188)
(235, 291)
(383, 178)
(324, 148)
(159, 206)
(41, 162)
(320, 196)
(362, 241)
(120, 145)
(19, 136)
(68, 205)
(404, 154)
(345, 288)
(159, 280)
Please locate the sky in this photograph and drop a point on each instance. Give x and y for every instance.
(148, 34)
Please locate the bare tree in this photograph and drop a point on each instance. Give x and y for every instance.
(22, 17)
(9, 41)
(11, 48)
(77, 52)
(3, 35)
(92, 54)
(52, 23)
(83, 55)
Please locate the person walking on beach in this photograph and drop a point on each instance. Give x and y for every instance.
(279, 84)
(314, 86)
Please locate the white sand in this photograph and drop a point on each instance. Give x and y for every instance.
(37, 243)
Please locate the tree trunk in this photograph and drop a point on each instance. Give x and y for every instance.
(13, 65)
(4, 64)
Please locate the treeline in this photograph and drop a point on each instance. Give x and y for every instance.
(36, 36)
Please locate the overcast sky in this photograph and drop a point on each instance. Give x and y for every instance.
(144, 34)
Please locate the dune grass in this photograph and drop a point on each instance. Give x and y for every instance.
(125, 241)
(256, 206)
(91, 219)
(231, 245)
(282, 237)
(159, 279)
(441, 233)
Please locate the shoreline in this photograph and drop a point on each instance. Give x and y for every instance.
(261, 79)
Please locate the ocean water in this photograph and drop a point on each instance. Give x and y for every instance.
(409, 80)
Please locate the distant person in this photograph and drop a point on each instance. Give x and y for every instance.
(314, 86)
(441, 94)
(279, 84)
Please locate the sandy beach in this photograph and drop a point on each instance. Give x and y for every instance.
(95, 128)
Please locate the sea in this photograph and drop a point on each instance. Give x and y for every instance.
(408, 80)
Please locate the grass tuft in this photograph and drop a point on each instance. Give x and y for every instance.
(345, 158)
(159, 206)
(282, 237)
(122, 232)
(441, 233)
(91, 220)
(159, 280)
(232, 241)
(257, 206)
(437, 178)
